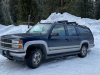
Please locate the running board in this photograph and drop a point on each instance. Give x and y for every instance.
(63, 54)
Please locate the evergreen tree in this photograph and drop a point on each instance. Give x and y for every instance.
(27, 7)
(6, 13)
(50, 6)
(40, 4)
(1, 14)
(13, 10)
(83, 8)
(67, 5)
(97, 3)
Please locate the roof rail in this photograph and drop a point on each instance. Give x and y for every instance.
(72, 23)
(45, 23)
(83, 26)
(66, 22)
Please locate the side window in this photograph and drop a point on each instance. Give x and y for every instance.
(59, 29)
(84, 31)
(71, 31)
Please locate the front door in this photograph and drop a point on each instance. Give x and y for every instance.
(58, 43)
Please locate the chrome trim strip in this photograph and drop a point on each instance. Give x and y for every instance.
(63, 50)
(63, 47)
(12, 49)
(11, 43)
(22, 55)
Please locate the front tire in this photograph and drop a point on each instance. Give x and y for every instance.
(83, 51)
(34, 59)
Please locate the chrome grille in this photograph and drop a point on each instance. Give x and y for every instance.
(5, 43)
(6, 40)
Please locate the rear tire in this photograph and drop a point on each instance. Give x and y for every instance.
(83, 51)
(34, 59)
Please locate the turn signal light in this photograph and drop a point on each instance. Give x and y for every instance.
(20, 41)
(20, 46)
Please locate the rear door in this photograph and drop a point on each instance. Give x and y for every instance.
(73, 38)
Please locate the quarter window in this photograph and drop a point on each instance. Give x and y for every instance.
(59, 29)
(71, 31)
(84, 31)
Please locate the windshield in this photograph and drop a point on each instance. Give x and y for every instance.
(40, 28)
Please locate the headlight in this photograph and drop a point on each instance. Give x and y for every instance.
(14, 41)
(17, 42)
(17, 46)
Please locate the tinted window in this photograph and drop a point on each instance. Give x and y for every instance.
(84, 31)
(59, 29)
(71, 31)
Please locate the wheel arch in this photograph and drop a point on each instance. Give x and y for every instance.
(85, 42)
(31, 45)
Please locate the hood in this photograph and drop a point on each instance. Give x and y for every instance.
(20, 35)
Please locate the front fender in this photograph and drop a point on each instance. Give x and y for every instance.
(27, 44)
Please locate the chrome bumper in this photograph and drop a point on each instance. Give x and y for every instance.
(91, 46)
(11, 49)
(13, 52)
(14, 56)
(20, 55)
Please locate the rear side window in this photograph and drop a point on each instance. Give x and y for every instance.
(71, 31)
(59, 29)
(84, 31)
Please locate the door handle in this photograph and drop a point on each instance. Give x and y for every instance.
(66, 39)
(77, 38)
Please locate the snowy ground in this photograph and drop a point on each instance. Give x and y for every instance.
(62, 66)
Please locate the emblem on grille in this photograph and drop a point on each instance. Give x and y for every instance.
(3, 42)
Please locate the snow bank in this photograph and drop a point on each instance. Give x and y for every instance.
(11, 29)
(71, 18)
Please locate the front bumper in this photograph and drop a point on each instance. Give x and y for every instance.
(14, 55)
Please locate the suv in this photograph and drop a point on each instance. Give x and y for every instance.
(47, 40)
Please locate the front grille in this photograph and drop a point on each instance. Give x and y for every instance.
(6, 40)
(5, 43)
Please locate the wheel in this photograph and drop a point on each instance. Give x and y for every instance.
(83, 51)
(34, 59)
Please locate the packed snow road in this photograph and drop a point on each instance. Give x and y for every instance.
(73, 65)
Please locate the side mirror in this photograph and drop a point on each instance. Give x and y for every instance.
(54, 34)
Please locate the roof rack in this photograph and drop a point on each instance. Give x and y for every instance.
(66, 22)
(45, 23)
(72, 23)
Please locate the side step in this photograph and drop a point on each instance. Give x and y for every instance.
(62, 54)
